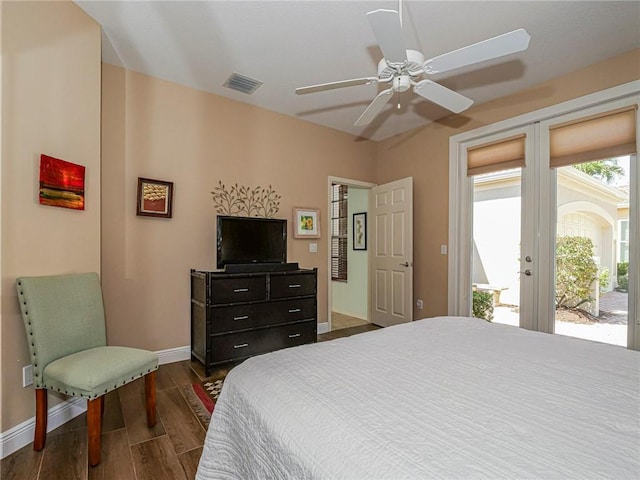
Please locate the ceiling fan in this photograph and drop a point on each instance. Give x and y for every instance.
(406, 68)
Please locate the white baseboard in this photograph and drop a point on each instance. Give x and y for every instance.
(172, 355)
(323, 328)
(21, 435)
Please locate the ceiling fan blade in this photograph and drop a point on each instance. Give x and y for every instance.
(388, 32)
(495, 47)
(341, 84)
(436, 93)
(374, 107)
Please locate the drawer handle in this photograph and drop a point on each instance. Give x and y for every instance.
(295, 285)
(294, 310)
(241, 317)
(239, 290)
(294, 335)
(242, 345)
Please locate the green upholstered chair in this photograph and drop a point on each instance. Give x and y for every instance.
(64, 319)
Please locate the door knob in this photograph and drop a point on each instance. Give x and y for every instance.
(527, 272)
(405, 264)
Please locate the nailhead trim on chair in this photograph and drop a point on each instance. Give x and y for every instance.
(35, 357)
(93, 397)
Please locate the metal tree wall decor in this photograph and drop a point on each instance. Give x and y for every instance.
(245, 201)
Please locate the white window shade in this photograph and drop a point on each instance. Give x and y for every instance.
(600, 137)
(493, 157)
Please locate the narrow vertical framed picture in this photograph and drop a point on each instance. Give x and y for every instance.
(306, 222)
(360, 231)
(155, 198)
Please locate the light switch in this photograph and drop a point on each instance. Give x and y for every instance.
(443, 249)
(313, 247)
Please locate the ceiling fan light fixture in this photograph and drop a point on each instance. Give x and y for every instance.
(401, 83)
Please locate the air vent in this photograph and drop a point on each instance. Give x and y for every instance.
(242, 84)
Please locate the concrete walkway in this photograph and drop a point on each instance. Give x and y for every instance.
(614, 308)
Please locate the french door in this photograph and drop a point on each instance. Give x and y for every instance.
(502, 218)
(586, 215)
(537, 190)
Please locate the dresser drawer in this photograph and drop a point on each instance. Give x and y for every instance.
(239, 345)
(295, 309)
(236, 290)
(283, 286)
(296, 334)
(241, 317)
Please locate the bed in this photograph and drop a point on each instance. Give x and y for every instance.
(444, 397)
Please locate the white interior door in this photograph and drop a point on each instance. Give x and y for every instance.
(392, 252)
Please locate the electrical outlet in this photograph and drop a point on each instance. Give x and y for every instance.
(419, 304)
(27, 375)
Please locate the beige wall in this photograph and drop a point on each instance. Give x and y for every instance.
(424, 154)
(160, 130)
(151, 128)
(50, 104)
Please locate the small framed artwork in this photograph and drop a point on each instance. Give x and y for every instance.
(155, 198)
(306, 222)
(360, 231)
(61, 183)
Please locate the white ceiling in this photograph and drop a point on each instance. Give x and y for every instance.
(289, 44)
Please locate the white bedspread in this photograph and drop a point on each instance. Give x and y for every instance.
(446, 397)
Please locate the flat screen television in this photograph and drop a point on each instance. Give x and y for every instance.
(250, 240)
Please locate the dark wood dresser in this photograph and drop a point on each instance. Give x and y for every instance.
(237, 315)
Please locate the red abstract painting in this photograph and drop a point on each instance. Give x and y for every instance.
(61, 183)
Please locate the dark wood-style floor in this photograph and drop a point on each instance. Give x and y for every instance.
(131, 451)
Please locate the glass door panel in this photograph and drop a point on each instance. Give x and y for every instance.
(496, 246)
(591, 250)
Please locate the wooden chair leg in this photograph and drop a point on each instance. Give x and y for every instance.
(150, 395)
(40, 436)
(94, 426)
